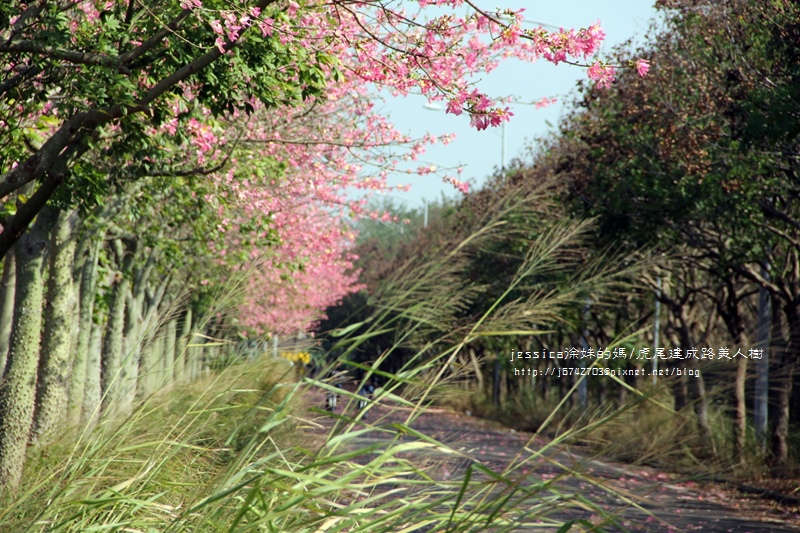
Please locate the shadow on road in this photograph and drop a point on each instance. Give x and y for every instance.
(641, 499)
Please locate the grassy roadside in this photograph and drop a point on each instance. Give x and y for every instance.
(154, 467)
(642, 431)
(240, 452)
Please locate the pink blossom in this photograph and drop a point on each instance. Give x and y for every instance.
(642, 67)
(601, 73)
(331, 145)
(497, 116)
(267, 26)
(479, 122)
(217, 27)
(458, 184)
(219, 42)
(544, 102)
(454, 107)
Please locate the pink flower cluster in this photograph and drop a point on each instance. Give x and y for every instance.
(561, 45)
(439, 57)
(601, 73)
(322, 148)
(301, 161)
(344, 144)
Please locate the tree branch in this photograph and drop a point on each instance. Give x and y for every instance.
(11, 83)
(72, 56)
(773, 212)
(83, 123)
(783, 235)
(150, 43)
(30, 13)
(750, 273)
(20, 221)
(197, 171)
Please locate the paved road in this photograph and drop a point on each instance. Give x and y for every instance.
(644, 499)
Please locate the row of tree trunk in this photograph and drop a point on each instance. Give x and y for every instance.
(86, 330)
(494, 374)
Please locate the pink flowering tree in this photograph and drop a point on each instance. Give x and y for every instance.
(318, 152)
(102, 64)
(241, 125)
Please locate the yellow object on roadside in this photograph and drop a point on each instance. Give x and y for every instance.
(297, 357)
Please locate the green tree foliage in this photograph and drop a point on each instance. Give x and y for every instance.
(702, 160)
(127, 65)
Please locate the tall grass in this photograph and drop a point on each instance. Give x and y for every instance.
(246, 450)
(240, 452)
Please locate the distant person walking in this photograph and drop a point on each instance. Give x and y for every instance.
(366, 392)
(331, 399)
(332, 396)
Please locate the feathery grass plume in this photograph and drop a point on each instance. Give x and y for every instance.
(433, 288)
(245, 450)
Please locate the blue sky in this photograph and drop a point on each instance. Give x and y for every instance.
(480, 152)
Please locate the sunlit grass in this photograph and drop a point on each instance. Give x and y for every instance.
(249, 449)
(240, 452)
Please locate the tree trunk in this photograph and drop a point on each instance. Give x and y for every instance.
(159, 360)
(504, 392)
(696, 385)
(496, 382)
(17, 396)
(55, 362)
(763, 342)
(170, 345)
(681, 393)
(728, 309)
(741, 410)
(781, 386)
(783, 394)
(6, 308)
(207, 355)
(156, 336)
(700, 401)
(183, 363)
(191, 358)
(133, 338)
(139, 331)
(80, 370)
(90, 412)
(150, 368)
(112, 360)
(601, 388)
(195, 354)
